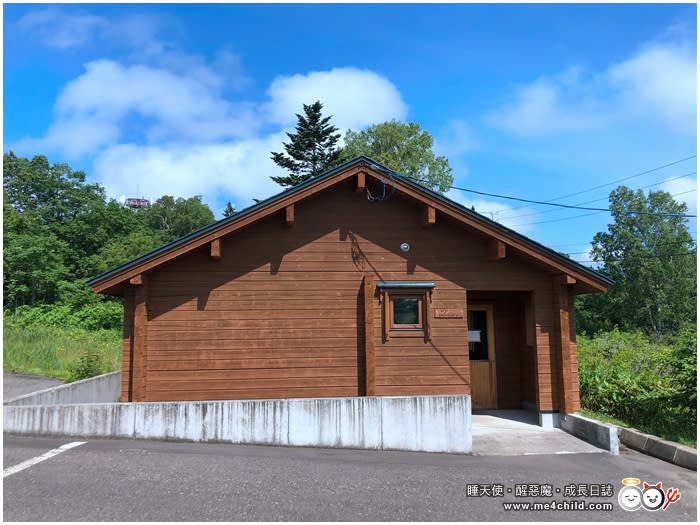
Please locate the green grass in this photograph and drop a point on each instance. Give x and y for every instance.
(603, 417)
(682, 439)
(55, 352)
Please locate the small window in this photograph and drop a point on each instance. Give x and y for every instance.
(406, 312)
(405, 307)
(478, 335)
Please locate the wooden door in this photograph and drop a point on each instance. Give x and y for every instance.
(482, 356)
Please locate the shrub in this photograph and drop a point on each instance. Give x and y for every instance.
(650, 385)
(106, 315)
(100, 316)
(88, 365)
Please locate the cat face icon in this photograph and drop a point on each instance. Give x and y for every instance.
(652, 496)
(630, 498)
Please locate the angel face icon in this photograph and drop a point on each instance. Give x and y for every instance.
(630, 498)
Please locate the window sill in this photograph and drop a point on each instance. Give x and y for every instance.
(407, 333)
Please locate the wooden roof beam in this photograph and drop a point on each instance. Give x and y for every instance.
(215, 249)
(289, 215)
(429, 216)
(361, 182)
(496, 250)
(566, 280)
(138, 280)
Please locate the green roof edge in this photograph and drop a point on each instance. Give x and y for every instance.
(357, 160)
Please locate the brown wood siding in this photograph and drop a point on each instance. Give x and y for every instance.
(139, 350)
(127, 345)
(546, 348)
(575, 394)
(528, 364)
(281, 313)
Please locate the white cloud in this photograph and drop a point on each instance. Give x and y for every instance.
(190, 138)
(658, 84)
(496, 211)
(61, 31)
(165, 121)
(661, 81)
(541, 108)
(355, 97)
(73, 138)
(137, 36)
(239, 170)
(67, 28)
(455, 139)
(92, 110)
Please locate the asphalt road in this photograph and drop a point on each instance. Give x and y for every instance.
(14, 385)
(120, 480)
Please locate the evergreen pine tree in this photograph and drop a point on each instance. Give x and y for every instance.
(311, 150)
(229, 209)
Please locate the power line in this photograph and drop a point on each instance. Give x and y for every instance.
(589, 242)
(571, 217)
(567, 206)
(645, 257)
(593, 200)
(618, 180)
(678, 242)
(601, 210)
(648, 256)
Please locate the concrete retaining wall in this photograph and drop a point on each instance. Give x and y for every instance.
(676, 453)
(418, 423)
(100, 389)
(596, 433)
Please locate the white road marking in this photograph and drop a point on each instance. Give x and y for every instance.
(38, 459)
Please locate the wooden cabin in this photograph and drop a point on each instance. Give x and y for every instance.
(359, 282)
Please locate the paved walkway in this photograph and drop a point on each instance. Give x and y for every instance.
(14, 385)
(517, 433)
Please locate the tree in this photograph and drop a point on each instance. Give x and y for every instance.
(651, 257)
(229, 209)
(173, 218)
(120, 250)
(403, 148)
(53, 219)
(33, 268)
(60, 230)
(56, 193)
(311, 149)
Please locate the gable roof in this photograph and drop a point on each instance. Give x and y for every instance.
(108, 281)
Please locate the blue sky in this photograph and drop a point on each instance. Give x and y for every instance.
(535, 101)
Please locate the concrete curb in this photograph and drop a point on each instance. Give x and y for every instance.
(99, 389)
(594, 432)
(416, 423)
(669, 451)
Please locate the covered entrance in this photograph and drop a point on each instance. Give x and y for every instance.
(500, 337)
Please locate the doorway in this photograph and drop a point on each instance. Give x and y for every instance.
(482, 356)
